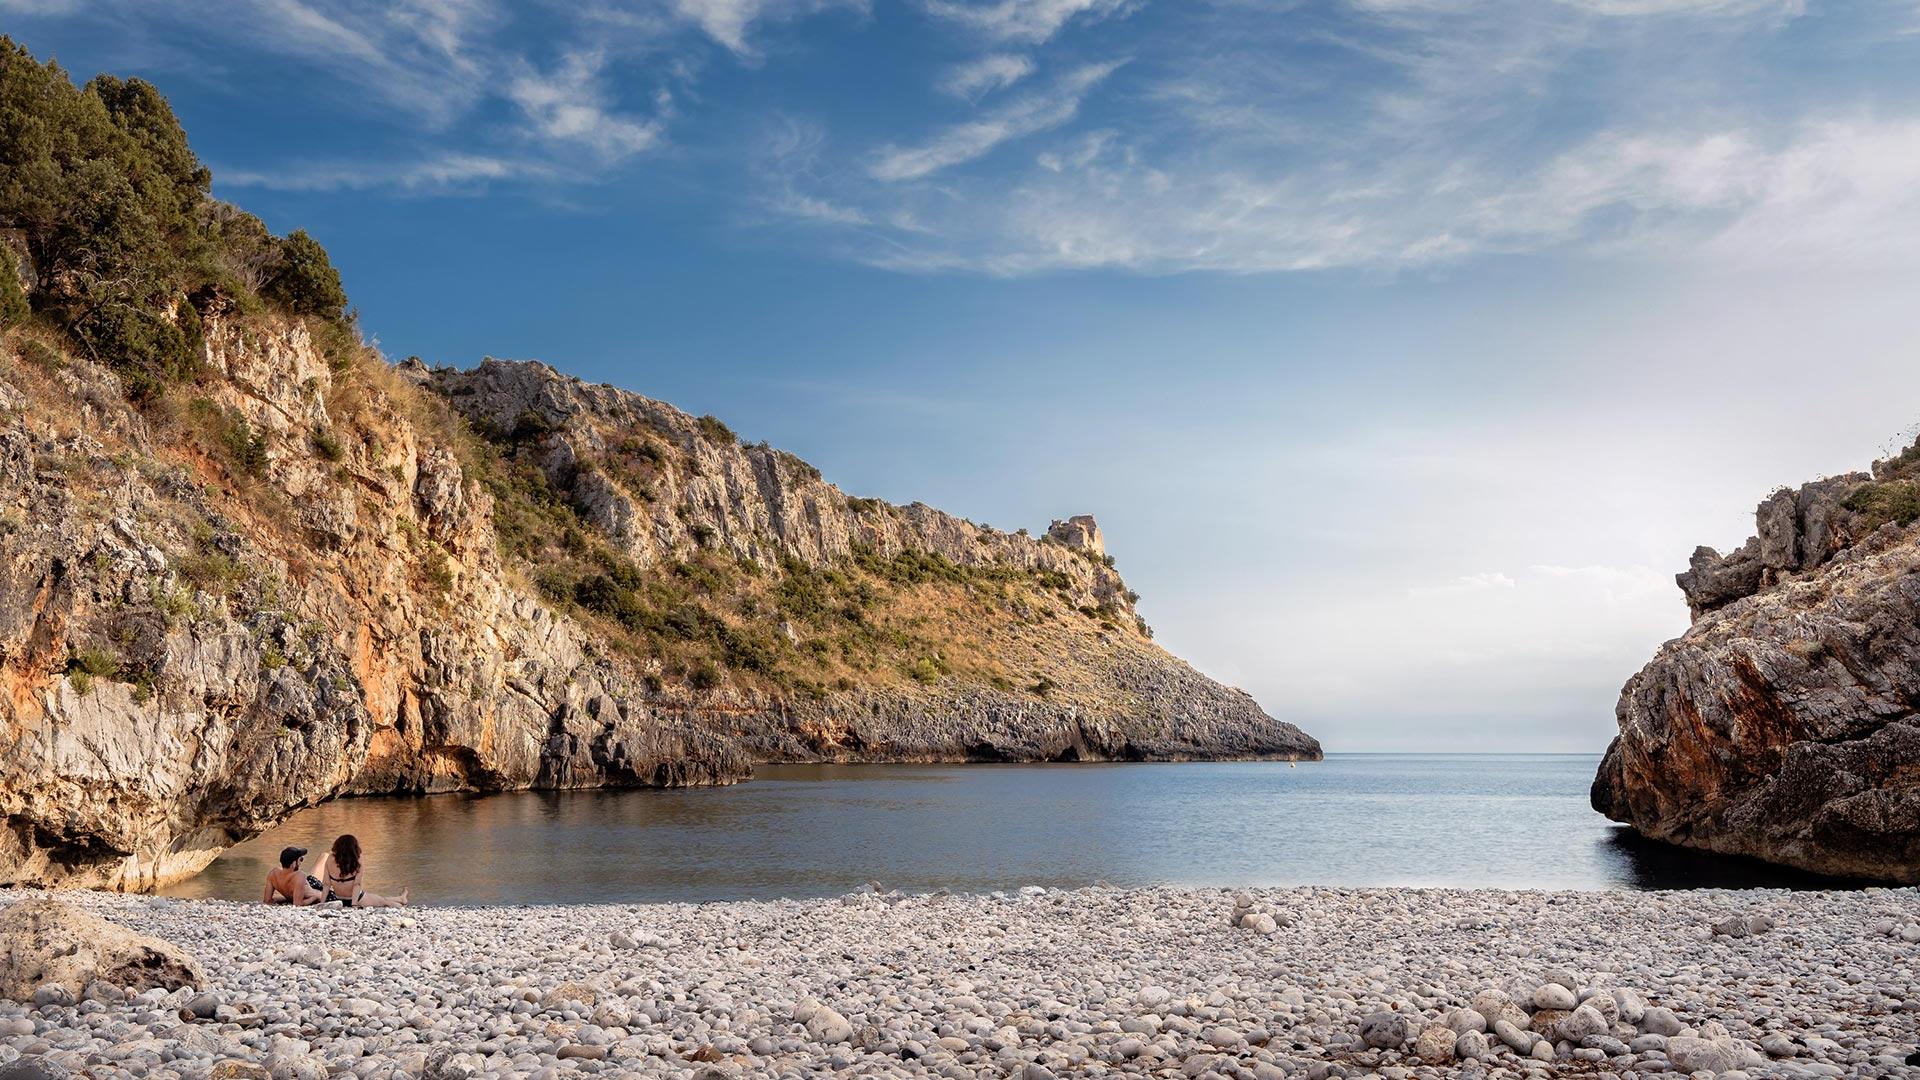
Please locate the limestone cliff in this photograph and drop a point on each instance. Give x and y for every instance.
(852, 628)
(1783, 723)
(306, 576)
(276, 591)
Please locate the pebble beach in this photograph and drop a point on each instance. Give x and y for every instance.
(1031, 983)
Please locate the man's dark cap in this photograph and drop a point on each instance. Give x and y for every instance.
(288, 855)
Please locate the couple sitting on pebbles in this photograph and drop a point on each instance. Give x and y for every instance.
(338, 879)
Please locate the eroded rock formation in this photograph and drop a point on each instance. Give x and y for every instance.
(1783, 723)
(189, 656)
(287, 582)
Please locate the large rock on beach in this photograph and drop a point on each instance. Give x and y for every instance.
(1700, 1055)
(1435, 1043)
(52, 951)
(827, 1026)
(1518, 1038)
(1581, 1023)
(1495, 1006)
(1554, 996)
(1471, 1046)
(1783, 724)
(1659, 1021)
(1385, 1030)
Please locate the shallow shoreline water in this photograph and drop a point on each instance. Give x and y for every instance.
(1032, 984)
(822, 830)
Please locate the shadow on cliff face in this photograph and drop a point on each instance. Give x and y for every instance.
(1652, 864)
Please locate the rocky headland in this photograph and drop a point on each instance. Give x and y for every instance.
(1783, 724)
(1034, 984)
(248, 564)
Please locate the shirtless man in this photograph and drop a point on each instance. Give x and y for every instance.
(288, 885)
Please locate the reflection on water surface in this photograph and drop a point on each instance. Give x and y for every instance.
(1513, 821)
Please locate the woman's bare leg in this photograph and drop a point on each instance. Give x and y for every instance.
(375, 900)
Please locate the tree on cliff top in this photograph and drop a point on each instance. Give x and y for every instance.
(114, 206)
(306, 281)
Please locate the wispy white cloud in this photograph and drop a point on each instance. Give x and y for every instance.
(1825, 191)
(729, 22)
(569, 105)
(964, 142)
(420, 54)
(1031, 21)
(1407, 134)
(451, 173)
(789, 156)
(1642, 8)
(435, 65)
(789, 162)
(429, 59)
(39, 7)
(1841, 190)
(1613, 8)
(1078, 155)
(1470, 583)
(995, 71)
(808, 208)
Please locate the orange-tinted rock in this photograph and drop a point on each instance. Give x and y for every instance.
(1783, 723)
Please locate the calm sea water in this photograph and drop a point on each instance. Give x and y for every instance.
(1513, 821)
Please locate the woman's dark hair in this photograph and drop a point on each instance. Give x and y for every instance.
(346, 855)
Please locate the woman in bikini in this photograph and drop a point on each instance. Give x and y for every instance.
(340, 874)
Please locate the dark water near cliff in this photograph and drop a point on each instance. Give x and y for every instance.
(1513, 821)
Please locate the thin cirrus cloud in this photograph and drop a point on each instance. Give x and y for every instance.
(1832, 190)
(975, 138)
(423, 55)
(430, 67)
(730, 22)
(1621, 8)
(39, 7)
(976, 78)
(1445, 142)
(1468, 583)
(1031, 21)
(440, 175)
(569, 105)
(1633, 8)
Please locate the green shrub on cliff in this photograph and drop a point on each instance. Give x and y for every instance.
(306, 281)
(228, 432)
(327, 445)
(715, 430)
(14, 308)
(94, 661)
(1881, 501)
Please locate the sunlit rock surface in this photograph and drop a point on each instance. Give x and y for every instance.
(1782, 724)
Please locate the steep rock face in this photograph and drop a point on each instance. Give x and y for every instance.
(184, 665)
(709, 489)
(284, 584)
(1797, 530)
(665, 487)
(1783, 723)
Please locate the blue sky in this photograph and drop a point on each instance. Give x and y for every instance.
(1404, 348)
